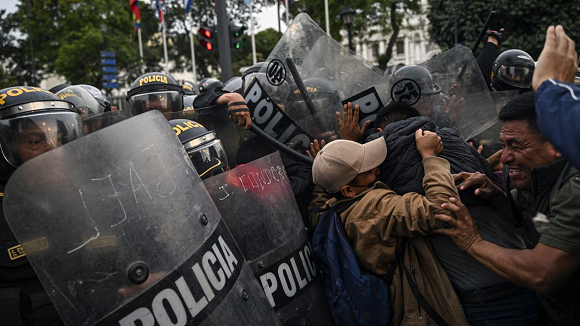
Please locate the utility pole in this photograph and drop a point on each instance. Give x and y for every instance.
(224, 40)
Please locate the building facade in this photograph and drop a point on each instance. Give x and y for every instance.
(411, 47)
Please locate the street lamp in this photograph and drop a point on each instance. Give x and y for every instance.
(347, 16)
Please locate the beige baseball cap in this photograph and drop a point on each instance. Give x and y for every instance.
(339, 162)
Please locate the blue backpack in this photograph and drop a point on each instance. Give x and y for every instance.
(355, 297)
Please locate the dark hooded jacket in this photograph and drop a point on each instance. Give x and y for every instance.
(403, 172)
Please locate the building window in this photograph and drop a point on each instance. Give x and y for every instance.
(375, 50)
(401, 46)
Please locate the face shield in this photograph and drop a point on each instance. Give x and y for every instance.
(520, 77)
(164, 101)
(207, 155)
(25, 137)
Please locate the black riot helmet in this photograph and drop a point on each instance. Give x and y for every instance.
(92, 106)
(204, 149)
(99, 96)
(155, 91)
(189, 90)
(32, 122)
(84, 101)
(420, 75)
(513, 70)
(209, 83)
(234, 85)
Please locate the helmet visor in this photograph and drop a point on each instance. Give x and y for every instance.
(165, 101)
(85, 103)
(25, 137)
(209, 159)
(520, 77)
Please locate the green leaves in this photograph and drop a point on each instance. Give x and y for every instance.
(525, 22)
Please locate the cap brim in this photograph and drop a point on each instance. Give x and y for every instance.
(375, 154)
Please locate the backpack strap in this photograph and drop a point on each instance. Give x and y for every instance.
(388, 276)
(422, 301)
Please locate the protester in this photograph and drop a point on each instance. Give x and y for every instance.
(557, 98)
(476, 286)
(547, 194)
(378, 216)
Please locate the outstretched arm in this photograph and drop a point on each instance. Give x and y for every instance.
(543, 268)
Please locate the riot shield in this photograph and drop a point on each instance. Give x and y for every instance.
(121, 231)
(489, 138)
(216, 118)
(257, 203)
(304, 82)
(450, 89)
(107, 119)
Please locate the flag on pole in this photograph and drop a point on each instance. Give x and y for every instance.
(134, 5)
(159, 5)
(187, 5)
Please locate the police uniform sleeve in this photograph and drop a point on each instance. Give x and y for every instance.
(564, 229)
(486, 59)
(558, 110)
(208, 97)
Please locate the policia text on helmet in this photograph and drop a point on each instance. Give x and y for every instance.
(156, 91)
(32, 122)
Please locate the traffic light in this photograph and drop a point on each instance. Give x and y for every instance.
(237, 39)
(207, 38)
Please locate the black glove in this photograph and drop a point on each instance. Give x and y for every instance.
(498, 35)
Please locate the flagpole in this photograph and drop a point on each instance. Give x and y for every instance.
(287, 2)
(165, 48)
(252, 33)
(192, 49)
(140, 43)
(326, 14)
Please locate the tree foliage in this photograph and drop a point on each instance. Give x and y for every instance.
(525, 21)
(67, 39)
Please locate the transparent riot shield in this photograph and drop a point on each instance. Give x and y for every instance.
(104, 120)
(450, 89)
(257, 203)
(121, 231)
(489, 138)
(304, 82)
(216, 118)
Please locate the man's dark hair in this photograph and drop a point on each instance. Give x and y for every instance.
(393, 112)
(521, 108)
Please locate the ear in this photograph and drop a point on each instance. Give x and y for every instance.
(557, 154)
(347, 191)
(379, 130)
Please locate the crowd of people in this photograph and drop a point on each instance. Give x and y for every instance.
(467, 240)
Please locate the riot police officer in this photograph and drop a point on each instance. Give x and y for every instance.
(204, 149)
(156, 91)
(32, 122)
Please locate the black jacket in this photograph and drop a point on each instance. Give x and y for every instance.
(403, 170)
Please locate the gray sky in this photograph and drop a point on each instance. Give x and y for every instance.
(265, 20)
